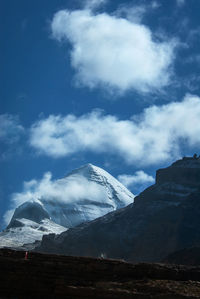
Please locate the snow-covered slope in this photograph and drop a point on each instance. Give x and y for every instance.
(88, 193)
(26, 231)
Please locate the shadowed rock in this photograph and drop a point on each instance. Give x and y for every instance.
(53, 276)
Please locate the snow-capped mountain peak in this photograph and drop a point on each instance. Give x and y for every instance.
(83, 195)
(90, 192)
(116, 191)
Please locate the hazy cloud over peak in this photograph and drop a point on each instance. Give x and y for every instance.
(58, 191)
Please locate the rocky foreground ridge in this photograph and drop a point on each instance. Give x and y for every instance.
(53, 276)
(163, 219)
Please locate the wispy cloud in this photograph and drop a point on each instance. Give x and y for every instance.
(10, 133)
(155, 4)
(93, 4)
(132, 13)
(180, 2)
(138, 181)
(10, 128)
(192, 81)
(136, 13)
(139, 177)
(152, 137)
(193, 36)
(113, 52)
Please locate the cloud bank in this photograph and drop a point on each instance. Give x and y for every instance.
(114, 52)
(154, 136)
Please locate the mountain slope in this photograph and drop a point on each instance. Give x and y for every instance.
(83, 195)
(162, 219)
(24, 231)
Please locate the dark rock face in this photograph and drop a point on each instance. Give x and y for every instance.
(163, 219)
(190, 256)
(185, 172)
(53, 276)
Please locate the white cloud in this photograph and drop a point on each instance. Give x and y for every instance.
(114, 52)
(151, 137)
(136, 182)
(138, 178)
(60, 191)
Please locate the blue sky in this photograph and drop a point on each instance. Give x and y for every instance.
(113, 83)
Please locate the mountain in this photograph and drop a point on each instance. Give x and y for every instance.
(83, 195)
(163, 218)
(186, 256)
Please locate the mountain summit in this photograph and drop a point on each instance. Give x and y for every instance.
(164, 218)
(83, 195)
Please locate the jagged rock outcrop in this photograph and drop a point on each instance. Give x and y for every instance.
(164, 218)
